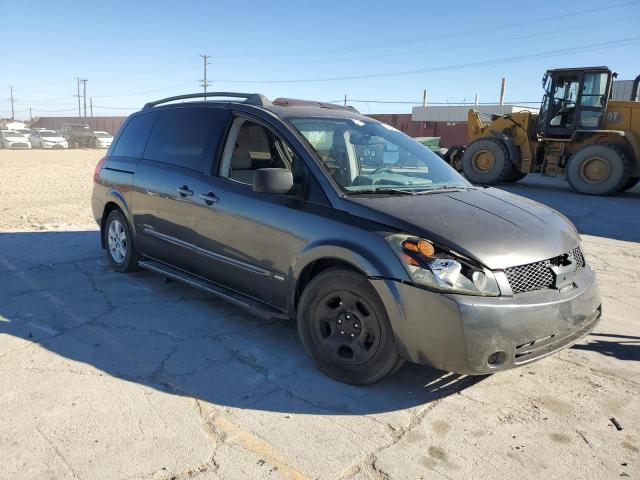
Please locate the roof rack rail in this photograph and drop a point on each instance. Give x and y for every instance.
(250, 98)
(295, 102)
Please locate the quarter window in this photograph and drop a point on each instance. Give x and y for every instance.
(132, 140)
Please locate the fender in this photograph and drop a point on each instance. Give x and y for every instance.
(367, 259)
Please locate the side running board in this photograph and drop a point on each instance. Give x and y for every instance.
(253, 306)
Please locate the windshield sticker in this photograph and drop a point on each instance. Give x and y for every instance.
(389, 127)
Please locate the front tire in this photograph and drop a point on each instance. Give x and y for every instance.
(119, 244)
(344, 328)
(486, 161)
(598, 170)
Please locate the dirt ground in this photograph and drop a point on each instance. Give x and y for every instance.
(112, 376)
(45, 190)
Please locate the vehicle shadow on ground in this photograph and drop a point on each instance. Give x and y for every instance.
(625, 347)
(612, 217)
(57, 291)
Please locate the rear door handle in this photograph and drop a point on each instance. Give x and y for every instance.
(184, 191)
(209, 198)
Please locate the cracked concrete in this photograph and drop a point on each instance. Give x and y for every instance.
(112, 376)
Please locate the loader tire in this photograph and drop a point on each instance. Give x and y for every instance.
(454, 157)
(515, 175)
(486, 161)
(599, 170)
(632, 182)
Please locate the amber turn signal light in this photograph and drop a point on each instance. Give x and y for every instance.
(423, 247)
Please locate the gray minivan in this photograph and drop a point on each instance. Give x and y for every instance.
(310, 211)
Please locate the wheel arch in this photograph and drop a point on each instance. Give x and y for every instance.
(115, 201)
(320, 258)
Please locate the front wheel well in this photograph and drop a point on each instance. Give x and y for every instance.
(316, 267)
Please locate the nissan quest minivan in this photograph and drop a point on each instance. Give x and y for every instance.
(310, 211)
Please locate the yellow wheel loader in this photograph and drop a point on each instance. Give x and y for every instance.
(578, 132)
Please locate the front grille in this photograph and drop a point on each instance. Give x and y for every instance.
(538, 275)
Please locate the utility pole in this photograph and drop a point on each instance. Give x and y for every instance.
(205, 82)
(345, 99)
(84, 94)
(424, 98)
(503, 86)
(12, 100)
(78, 95)
(30, 115)
(476, 102)
(91, 106)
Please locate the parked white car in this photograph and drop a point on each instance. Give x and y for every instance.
(12, 139)
(48, 139)
(24, 131)
(103, 139)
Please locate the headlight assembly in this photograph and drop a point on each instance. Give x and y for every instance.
(441, 269)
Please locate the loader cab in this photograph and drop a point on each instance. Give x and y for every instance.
(574, 99)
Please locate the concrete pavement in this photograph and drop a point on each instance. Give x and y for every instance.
(112, 376)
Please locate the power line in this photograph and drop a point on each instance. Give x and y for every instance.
(465, 46)
(132, 94)
(499, 61)
(392, 102)
(457, 34)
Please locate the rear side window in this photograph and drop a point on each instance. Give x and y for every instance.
(187, 137)
(132, 140)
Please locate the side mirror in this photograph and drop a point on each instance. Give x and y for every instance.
(273, 180)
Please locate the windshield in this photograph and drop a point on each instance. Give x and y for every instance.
(11, 134)
(102, 135)
(44, 133)
(364, 157)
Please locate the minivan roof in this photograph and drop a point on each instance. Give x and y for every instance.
(283, 107)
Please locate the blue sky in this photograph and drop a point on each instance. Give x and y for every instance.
(136, 51)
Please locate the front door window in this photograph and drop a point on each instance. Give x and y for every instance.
(564, 96)
(593, 99)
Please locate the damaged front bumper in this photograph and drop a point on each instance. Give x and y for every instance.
(479, 335)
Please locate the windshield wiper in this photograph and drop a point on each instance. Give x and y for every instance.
(383, 191)
(444, 189)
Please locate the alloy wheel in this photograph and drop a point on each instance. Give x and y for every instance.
(117, 239)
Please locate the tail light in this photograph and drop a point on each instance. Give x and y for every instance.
(99, 166)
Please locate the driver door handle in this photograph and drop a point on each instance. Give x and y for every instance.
(209, 198)
(184, 191)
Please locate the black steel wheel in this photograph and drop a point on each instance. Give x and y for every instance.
(344, 328)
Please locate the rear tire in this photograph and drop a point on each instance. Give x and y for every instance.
(454, 157)
(486, 161)
(598, 170)
(344, 328)
(118, 241)
(515, 175)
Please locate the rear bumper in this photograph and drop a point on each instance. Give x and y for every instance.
(459, 333)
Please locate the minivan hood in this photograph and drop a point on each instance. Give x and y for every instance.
(497, 228)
